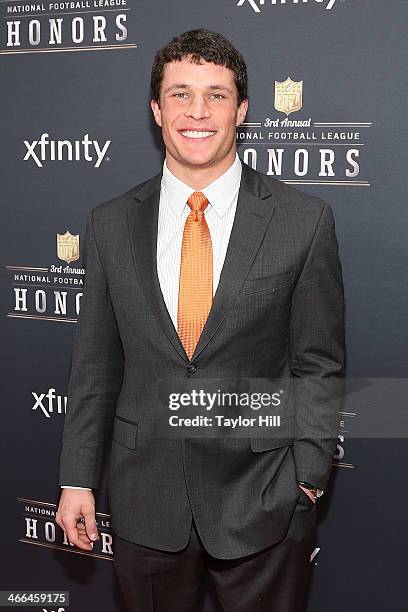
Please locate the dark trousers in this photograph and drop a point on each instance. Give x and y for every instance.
(275, 579)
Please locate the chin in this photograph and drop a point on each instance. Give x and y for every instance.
(199, 161)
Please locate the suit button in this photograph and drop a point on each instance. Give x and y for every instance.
(192, 368)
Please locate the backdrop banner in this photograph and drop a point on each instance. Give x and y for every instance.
(327, 115)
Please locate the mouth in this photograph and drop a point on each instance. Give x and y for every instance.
(195, 134)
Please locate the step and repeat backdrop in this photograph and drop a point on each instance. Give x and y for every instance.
(327, 115)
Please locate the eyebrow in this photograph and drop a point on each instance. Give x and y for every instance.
(187, 86)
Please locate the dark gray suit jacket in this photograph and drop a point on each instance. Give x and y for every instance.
(278, 311)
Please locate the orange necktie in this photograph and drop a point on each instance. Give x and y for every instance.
(196, 275)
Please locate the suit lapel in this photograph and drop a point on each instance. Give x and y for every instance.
(254, 211)
(143, 218)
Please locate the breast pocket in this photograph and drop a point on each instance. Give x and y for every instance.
(272, 282)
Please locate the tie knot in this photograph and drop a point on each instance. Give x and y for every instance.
(197, 201)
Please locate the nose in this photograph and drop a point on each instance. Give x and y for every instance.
(198, 108)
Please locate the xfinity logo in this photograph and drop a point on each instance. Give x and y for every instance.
(59, 150)
(49, 403)
(256, 4)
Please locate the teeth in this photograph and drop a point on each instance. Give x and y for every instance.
(194, 134)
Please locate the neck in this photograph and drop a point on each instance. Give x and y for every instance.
(195, 177)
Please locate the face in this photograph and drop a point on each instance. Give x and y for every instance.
(198, 114)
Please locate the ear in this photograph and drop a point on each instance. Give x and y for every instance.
(154, 105)
(242, 111)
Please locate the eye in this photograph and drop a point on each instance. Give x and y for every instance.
(180, 94)
(217, 96)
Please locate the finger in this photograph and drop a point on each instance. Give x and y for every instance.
(90, 523)
(59, 521)
(82, 532)
(73, 535)
(81, 527)
(85, 540)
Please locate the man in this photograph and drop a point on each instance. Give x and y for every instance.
(208, 269)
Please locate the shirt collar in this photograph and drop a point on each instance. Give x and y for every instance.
(220, 193)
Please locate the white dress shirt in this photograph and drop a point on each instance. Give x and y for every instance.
(222, 196)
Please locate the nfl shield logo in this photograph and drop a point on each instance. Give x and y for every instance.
(68, 247)
(288, 96)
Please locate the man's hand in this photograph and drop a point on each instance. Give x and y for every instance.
(75, 504)
(309, 493)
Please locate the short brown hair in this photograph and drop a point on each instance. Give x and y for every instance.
(201, 45)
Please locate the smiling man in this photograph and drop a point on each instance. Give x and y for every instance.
(209, 269)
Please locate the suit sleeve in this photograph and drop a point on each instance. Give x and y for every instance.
(317, 354)
(95, 378)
